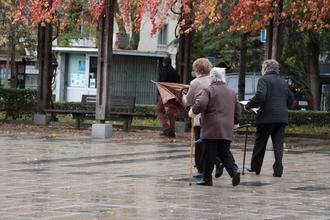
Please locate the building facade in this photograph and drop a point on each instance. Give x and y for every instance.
(132, 72)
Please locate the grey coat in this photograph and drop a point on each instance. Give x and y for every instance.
(195, 88)
(271, 98)
(220, 111)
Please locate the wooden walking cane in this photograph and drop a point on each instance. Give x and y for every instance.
(191, 150)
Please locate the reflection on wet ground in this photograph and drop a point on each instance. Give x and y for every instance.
(81, 178)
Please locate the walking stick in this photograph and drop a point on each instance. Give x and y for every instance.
(191, 150)
(246, 133)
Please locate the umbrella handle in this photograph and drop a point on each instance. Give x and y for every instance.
(191, 150)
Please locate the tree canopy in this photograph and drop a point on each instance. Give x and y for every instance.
(253, 15)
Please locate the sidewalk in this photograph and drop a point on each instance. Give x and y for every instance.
(69, 176)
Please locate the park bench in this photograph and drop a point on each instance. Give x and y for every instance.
(122, 109)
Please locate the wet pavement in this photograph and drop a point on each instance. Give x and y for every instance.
(143, 176)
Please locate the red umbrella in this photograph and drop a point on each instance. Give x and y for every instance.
(171, 94)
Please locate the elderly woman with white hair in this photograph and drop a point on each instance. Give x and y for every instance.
(220, 112)
(202, 68)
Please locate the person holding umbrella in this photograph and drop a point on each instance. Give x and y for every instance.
(166, 74)
(220, 110)
(201, 68)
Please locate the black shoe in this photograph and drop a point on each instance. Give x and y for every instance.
(165, 132)
(218, 170)
(171, 134)
(204, 183)
(253, 171)
(198, 175)
(275, 175)
(236, 179)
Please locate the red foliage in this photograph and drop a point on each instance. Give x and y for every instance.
(35, 12)
(253, 15)
(192, 13)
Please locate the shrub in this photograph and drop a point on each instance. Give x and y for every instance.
(316, 118)
(16, 102)
(67, 105)
(147, 109)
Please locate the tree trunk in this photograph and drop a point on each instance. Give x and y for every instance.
(242, 67)
(45, 70)
(313, 48)
(103, 95)
(119, 20)
(135, 39)
(269, 40)
(12, 52)
(187, 58)
(11, 55)
(275, 43)
(276, 34)
(185, 42)
(184, 57)
(7, 72)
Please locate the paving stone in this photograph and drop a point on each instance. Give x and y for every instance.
(66, 178)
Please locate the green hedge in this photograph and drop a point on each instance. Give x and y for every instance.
(67, 105)
(16, 102)
(147, 109)
(315, 118)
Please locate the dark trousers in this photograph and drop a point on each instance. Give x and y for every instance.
(264, 131)
(222, 149)
(199, 150)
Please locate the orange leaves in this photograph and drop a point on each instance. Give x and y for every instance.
(96, 9)
(205, 11)
(40, 12)
(192, 13)
(253, 15)
(311, 15)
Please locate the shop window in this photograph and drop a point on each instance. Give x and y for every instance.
(31, 76)
(92, 72)
(77, 71)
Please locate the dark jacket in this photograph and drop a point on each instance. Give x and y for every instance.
(220, 111)
(168, 74)
(271, 98)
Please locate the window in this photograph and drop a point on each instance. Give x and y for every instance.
(92, 72)
(77, 71)
(3, 75)
(162, 36)
(249, 85)
(251, 82)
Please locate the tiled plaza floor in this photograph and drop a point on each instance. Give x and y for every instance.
(143, 176)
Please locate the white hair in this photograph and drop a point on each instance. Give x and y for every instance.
(218, 74)
(270, 66)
